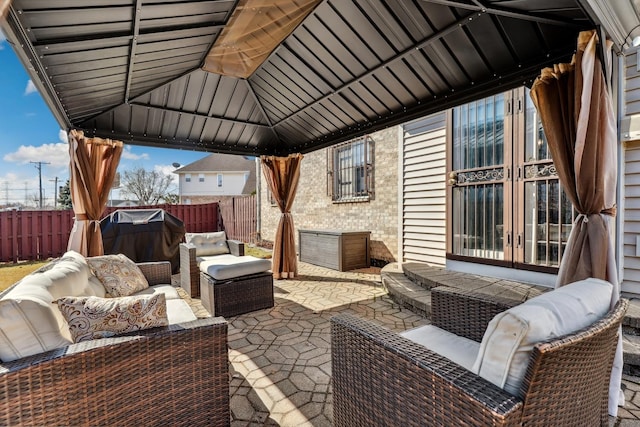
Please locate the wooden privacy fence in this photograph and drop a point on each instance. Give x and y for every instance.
(239, 218)
(33, 235)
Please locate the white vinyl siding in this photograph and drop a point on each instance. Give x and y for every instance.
(214, 184)
(631, 234)
(632, 82)
(424, 190)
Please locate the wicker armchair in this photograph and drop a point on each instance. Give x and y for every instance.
(175, 375)
(189, 271)
(381, 378)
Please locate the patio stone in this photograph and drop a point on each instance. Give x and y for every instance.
(281, 357)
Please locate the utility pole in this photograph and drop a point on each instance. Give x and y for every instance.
(55, 192)
(39, 167)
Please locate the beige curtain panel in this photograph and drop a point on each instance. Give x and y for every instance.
(93, 164)
(577, 115)
(4, 7)
(255, 29)
(578, 118)
(282, 175)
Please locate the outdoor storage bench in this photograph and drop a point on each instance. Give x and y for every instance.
(541, 363)
(175, 374)
(228, 281)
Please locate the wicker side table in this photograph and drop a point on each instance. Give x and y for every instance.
(238, 295)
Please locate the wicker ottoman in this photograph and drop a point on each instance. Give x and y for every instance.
(238, 295)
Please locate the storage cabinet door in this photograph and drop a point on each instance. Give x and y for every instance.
(319, 249)
(355, 251)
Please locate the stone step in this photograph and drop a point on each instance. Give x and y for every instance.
(410, 286)
(404, 291)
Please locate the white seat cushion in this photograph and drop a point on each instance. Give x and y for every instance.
(460, 350)
(224, 267)
(178, 311)
(169, 291)
(510, 336)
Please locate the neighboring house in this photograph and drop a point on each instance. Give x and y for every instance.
(472, 189)
(215, 177)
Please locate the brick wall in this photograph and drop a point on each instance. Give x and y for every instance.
(314, 209)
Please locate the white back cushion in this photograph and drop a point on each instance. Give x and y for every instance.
(29, 321)
(208, 243)
(507, 343)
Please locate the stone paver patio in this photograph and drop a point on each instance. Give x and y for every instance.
(280, 358)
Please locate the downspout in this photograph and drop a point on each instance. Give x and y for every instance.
(258, 201)
(618, 85)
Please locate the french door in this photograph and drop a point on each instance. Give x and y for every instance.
(507, 205)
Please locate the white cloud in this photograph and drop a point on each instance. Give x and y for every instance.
(23, 189)
(57, 154)
(62, 134)
(167, 170)
(31, 88)
(127, 154)
(3, 38)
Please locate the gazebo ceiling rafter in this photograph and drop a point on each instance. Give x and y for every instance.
(479, 6)
(350, 67)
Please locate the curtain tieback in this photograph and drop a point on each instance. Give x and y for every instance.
(84, 217)
(582, 219)
(612, 211)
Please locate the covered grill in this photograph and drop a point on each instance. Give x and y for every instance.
(143, 235)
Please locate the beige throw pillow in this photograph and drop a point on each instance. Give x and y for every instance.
(119, 275)
(93, 317)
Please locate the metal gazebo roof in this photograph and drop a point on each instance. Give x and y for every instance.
(131, 69)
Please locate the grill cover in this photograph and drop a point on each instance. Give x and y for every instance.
(143, 235)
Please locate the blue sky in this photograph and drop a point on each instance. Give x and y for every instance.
(30, 133)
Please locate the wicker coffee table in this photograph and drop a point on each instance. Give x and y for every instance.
(238, 295)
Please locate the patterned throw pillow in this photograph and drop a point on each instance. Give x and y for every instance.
(119, 275)
(93, 317)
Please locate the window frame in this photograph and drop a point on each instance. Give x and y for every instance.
(351, 171)
(514, 183)
(219, 179)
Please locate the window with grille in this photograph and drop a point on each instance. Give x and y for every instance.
(350, 171)
(187, 177)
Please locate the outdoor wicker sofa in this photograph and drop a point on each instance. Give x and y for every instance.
(173, 375)
(382, 378)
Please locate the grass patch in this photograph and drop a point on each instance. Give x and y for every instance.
(11, 273)
(257, 252)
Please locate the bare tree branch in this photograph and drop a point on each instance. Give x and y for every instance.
(149, 187)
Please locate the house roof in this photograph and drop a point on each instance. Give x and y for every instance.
(224, 163)
(131, 70)
(219, 163)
